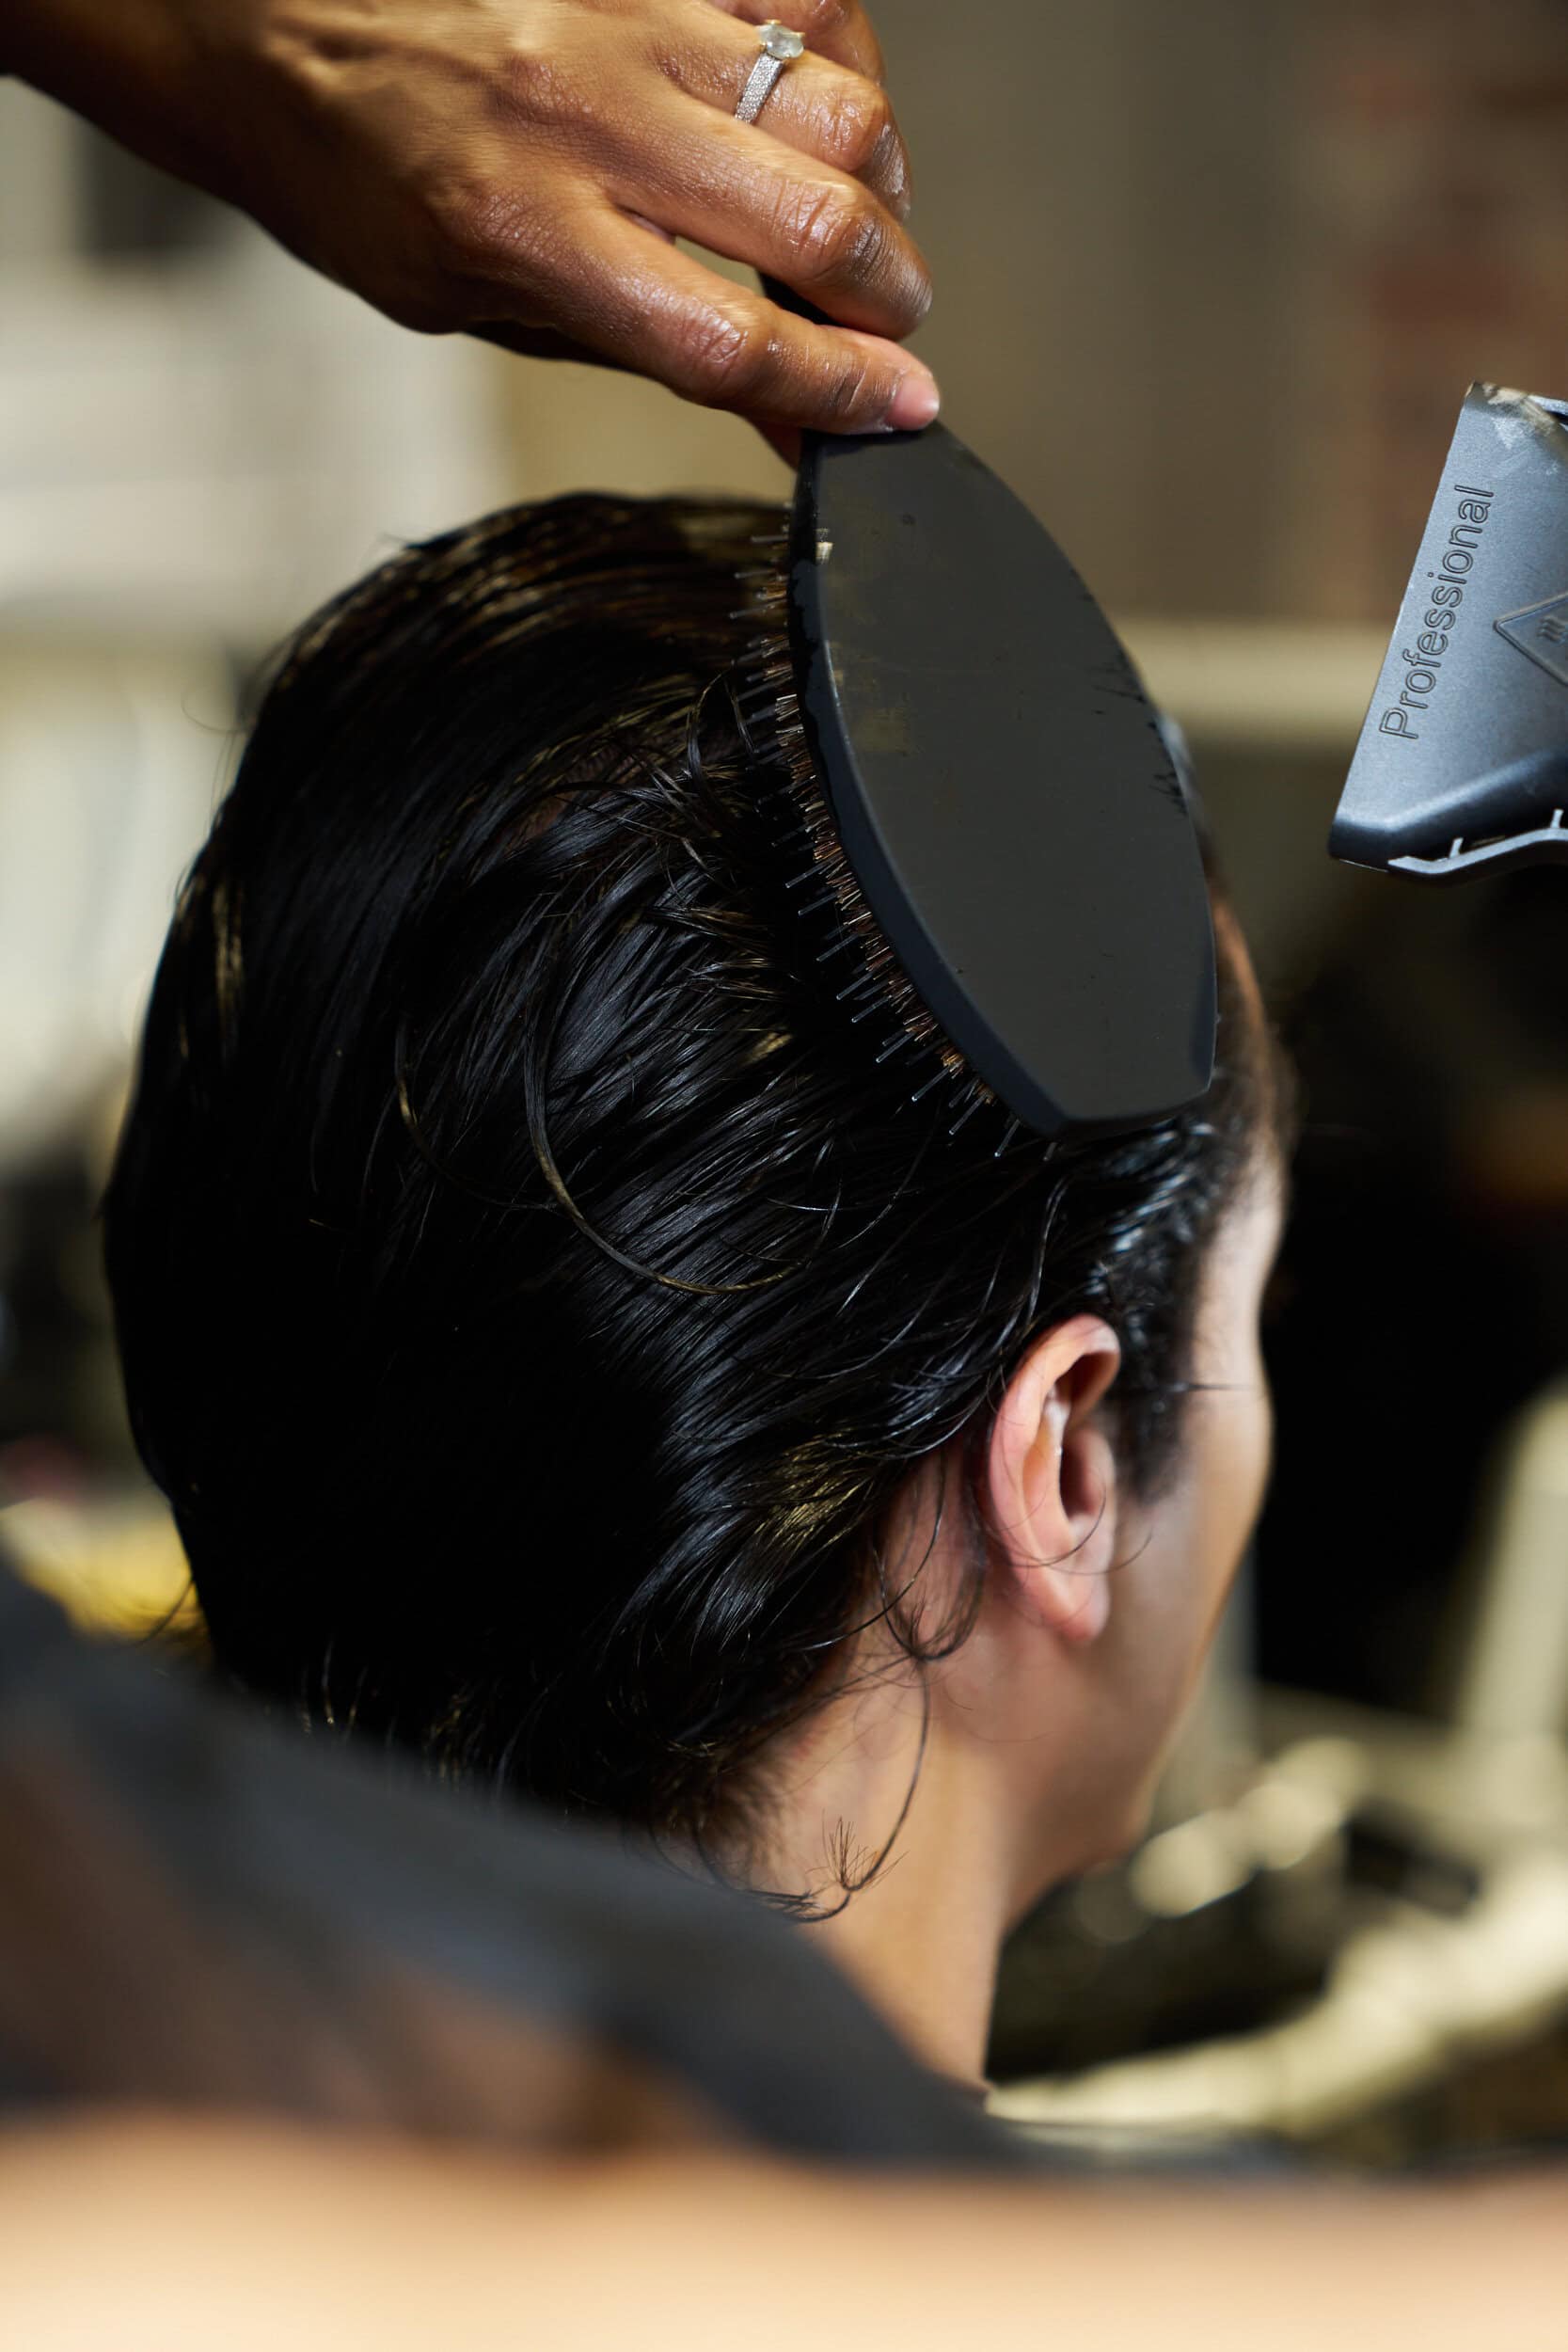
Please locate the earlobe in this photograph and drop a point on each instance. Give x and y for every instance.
(1052, 1481)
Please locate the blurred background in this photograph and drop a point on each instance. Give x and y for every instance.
(1211, 284)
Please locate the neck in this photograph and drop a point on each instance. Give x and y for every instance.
(920, 1940)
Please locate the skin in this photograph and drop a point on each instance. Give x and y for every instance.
(1044, 1734)
(520, 168)
(163, 2233)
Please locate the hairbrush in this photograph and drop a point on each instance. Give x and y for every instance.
(994, 831)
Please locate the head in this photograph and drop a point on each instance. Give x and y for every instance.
(566, 1351)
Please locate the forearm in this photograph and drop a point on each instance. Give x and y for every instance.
(102, 57)
(172, 2231)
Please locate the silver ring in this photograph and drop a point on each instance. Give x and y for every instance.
(780, 47)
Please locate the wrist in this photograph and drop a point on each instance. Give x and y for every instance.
(122, 64)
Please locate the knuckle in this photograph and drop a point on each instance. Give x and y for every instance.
(723, 360)
(840, 233)
(482, 229)
(467, 217)
(456, 213)
(533, 84)
(852, 391)
(826, 18)
(913, 290)
(860, 124)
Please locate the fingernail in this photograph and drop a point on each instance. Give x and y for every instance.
(914, 403)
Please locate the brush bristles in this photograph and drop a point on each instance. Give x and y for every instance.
(826, 886)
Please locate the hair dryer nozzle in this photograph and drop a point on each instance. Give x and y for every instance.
(1463, 763)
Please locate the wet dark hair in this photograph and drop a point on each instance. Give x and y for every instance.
(532, 1295)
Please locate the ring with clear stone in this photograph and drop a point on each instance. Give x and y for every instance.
(780, 47)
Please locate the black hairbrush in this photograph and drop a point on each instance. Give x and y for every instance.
(993, 811)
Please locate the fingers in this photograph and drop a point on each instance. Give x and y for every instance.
(632, 143)
(844, 118)
(539, 342)
(839, 29)
(745, 195)
(644, 305)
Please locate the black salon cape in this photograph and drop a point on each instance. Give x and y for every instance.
(198, 1908)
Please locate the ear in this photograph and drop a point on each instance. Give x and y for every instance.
(1051, 1480)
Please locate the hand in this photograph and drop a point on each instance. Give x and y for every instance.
(521, 169)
